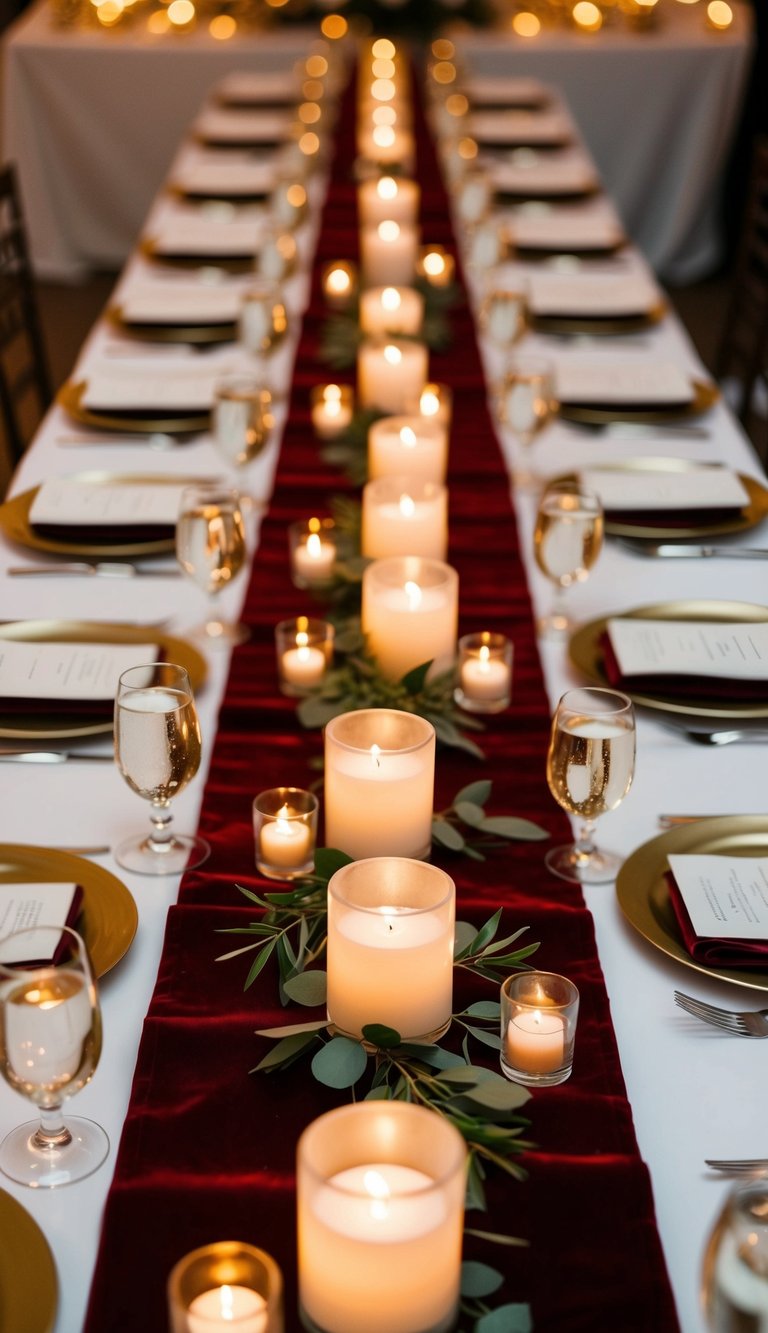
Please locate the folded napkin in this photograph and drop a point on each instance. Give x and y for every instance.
(520, 127)
(629, 385)
(692, 684)
(708, 950)
(27, 906)
(663, 498)
(564, 228)
(242, 127)
(270, 88)
(593, 295)
(229, 179)
(201, 236)
(176, 303)
(144, 385)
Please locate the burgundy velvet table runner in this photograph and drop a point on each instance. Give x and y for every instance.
(207, 1151)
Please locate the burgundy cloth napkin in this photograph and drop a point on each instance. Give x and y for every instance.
(681, 687)
(712, 951)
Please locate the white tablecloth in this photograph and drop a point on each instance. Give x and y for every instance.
(694, 1093)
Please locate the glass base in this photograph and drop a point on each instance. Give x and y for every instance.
(285, 873)
(528, 1080)
(223, 633)
(555, 626)
(423, 1039)
(180, 853)
(50, 1168)
(598, 867)
(308, 1323)
(480, 705)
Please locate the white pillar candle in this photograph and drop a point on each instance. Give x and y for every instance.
(391, 310)
(390, 374)
(225, 1307)
(388, 145)
(332, 409)
(380, 1211)
(535, 1041)
(391, 925)
(388, 197)
(405, 516)
(410, 613)
(408, 446)
(286, 842)
(389, 253)
(379, 781)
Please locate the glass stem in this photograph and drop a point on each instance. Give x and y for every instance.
(584, 846)
(51, 1133)
(160, 839)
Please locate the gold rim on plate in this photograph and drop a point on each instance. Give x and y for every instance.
(600, 326)
(60, 726)
(740, 521)
(108, 918)
(202, 334)
(191, 195)
(28, 1278)
(585, 653)
(70, 397)
(14, 522)
(231, 263)
(705, 395)
(644, 899)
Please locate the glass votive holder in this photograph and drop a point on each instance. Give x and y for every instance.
(332, 408)
(339, 282)
(504, 314)
(228, 1284)
(391, 927)
(473, 195)
(288, 204)
(410, 608)
(284, 832)
(380, 1180)
(436, 266)
(304, 653)
(313, 551)
(485, 672)
(404, 516)
(278, 255)
(263, 319)
(242, 418)
(734, 1285)
(408, 445)
(538, 1028)
(435, 402)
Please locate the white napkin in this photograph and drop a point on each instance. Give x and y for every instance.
(242, 126)
(207, 236)
(592, 294)
(514, 92)
(148, 386)
(693, 488)
(67, 501)
(180, 303)
(267, 86)
(559, 173)
(564, 228)
(509, 127)
(231, 177)
(623, 382)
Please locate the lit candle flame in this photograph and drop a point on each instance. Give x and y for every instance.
(391, 298)
(407, 506)
(413, 593)
(386, 187)
(485, 654)
(338, 281)
(393, 356)
(408, 437)
(375, 753)
(226, 1302)
(389, 230)
(375, 1185)
(384, 137)
(314, 546)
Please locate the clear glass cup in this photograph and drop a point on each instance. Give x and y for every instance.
(304, 648)
(568, 538)
(211, 549)
(590, 766)
(285, 832)
(263, 319)
(50, 1043)
(538, 1028)
(735, 1269)
(526, 403)
(157, 750)
(228, 1284)
(504, 314)
(484, 673)
(242, 418)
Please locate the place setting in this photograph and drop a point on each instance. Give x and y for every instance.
(648, 393)
(141, 397)
(594, 305)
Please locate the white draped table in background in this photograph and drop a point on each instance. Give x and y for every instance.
(694, 1093)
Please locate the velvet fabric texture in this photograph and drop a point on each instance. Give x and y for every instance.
(208, 1148)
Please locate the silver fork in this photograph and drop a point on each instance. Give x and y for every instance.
(738, 1166)
(742, 1023)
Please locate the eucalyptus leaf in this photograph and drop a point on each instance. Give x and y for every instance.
(328, 860)
(469, 813)
(340, 1063)
(476, 792)
(434, 1056)
(490, 1009)
(506, 1319)
(465, 934)
(380, 1094)
(447, 835)
(496, 1238)
(475, 1196)
(510, 826)
(314, 712)
(308, 988)
(478, 1280)
(260, 962)
(290, 1029)
(286, 1051)
(491, 1039)
(378, 1034)
(414, 680)
(486, 933)
(501, 1096)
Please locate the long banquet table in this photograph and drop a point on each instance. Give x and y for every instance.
(691, 1091)
(679, 85)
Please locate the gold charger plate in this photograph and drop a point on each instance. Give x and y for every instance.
(108, 918)
(70, 397)
(200, 334)
(705, 395)
(28, 1282)
(14, 522)
(644, 899)
(584, 649)
(60, 726)
(740, 520)
(229, 263)
(600, 326)
(194, 196)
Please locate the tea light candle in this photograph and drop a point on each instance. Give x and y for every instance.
(391, 310)
(436, 265)
(313, 552)
(332, 409)
(284, 830)
(304, 653)
(285, 841)
(408, 446)
(535, 1042)
(339, 283)
(303, 666)
(372, 1223)
(388, 197)
(405, 516)
(379, 781)
(215, 1311)
(410, 614)
(719, 15)
(538, 1028)
(390, 373)
(587, 16)
(391, 918)
(435, 402)
(386, 145)
(388, 253)
(485, 672)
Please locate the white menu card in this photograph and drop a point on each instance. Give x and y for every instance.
(150, 387)
(67, 671)
(62, 501)
(181, 235)
(646, 489)
(592, 294)
(726, 897)
(27, 906)
(725, 651)
(180, 303)
(623, 382)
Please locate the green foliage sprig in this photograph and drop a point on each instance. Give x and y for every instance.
(465, 827)
(349, 451)
(341, 335)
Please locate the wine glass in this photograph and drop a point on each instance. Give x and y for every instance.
(526, 402)
(157, 748)
(50, 1043)
(735, 1269)
(210, 547)
(568, 538)
(242, 418)
(590, 765)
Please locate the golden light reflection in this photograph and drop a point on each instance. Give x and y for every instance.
(309, 112)
(526, 24)
(383, 48)
(222, 27)
(383, 90)
(384, 115)
(309, 143)
(719, 14)
(444, 72)
(158, 22)
(109, 12)
(443, 49)
(181, 12)
(312, 90)
(383, 69)
(316, 67)
(457, 104)
(334, 26)
(587, 16)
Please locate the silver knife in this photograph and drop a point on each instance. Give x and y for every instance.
(103, 568)
(685, 551)
(52, 757)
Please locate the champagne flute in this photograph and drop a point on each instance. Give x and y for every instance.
(157, 748)
(568, 538)
(242, 418)
(50, 1043)
(210, 547)
(590, 765)
(526, 402)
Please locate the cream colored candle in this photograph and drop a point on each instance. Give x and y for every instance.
(303, 666)
(405, 516)
(535, 1042)
(485, 677)
(388, 145)
(408, 446)
(332, 409)
(313, 552)
(339, 283)
(436, 404)
(379, 780)
(390, 374)
(286, 842)
(389, 252)
(485, 672)
(284, 831)
(391, 310)
(410, 614)
(388, 197)
(225, 1307)
(391, 925)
